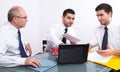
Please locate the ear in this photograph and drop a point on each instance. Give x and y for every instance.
(14, 19)
(110, 14)
(62, 17)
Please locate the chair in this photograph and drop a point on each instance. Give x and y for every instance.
(44, 43)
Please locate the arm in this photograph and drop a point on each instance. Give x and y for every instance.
(109, 51)
(12, 61)
(54, 37)
(9, 56)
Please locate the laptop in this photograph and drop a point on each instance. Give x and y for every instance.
(69, 54)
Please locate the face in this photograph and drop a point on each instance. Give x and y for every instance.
(68, 19)
(21, 19)
(103, 17)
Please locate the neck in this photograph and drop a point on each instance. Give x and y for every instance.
(110, 20)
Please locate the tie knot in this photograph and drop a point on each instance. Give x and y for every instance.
(106, 28)
(66, 30)
(18, 31)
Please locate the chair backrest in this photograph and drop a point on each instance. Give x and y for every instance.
(44, 43)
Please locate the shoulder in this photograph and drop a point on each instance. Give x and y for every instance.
(4, 28)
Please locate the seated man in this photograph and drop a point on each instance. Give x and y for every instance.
(107, 35)
(55, 37)
(12, 48)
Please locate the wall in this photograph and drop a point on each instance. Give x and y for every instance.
(42, 14)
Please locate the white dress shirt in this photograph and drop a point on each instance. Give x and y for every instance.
(9, 46)
(56, 35)
(113, 36)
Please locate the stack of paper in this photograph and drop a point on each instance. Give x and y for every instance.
(98, 58)
(71, 38)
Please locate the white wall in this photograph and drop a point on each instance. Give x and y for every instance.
(44, 13)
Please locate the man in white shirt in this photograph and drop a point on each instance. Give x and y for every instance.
(10, 55)
(104, 15)
(56, 32)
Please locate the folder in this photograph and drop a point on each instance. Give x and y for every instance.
(113, 62)
(46, 63)
(54, 51)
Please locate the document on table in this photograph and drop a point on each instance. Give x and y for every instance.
(71, 38)
(46, 64)
(95, 57)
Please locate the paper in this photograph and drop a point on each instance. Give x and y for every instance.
(71, 38)
(95, 57)
(46, 64)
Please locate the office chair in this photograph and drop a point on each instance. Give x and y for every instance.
(44, 42)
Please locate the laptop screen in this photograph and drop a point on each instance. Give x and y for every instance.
(72, 53)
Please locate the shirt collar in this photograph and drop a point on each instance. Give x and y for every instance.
(12, 28)
(110, 25)
(64, 26)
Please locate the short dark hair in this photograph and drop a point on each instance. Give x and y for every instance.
(68, 11)
(103, 6)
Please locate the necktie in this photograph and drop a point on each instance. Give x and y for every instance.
(64, 39)
(22, 51)
(105, 39)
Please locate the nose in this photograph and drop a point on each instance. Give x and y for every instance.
(72, 20)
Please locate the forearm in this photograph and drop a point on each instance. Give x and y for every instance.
(116, 53)
(11, 61)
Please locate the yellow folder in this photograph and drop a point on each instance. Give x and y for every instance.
(113, 63)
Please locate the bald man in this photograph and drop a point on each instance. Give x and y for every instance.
(10, 54)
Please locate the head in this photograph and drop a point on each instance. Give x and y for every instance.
(104, 13)
(68, 17)
(17, 17)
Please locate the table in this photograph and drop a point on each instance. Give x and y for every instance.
(85, 67)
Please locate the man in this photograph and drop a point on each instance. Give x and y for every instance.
(10, 54)
(107, 35)
(55, 37)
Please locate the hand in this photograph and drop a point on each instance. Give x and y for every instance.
(33, 62)
(28, 48)
(72, 43)
(61, 44)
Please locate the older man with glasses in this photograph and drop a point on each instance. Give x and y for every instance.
(12, 47)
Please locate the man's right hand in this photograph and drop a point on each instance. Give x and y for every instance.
(61, 44)
(33, 62)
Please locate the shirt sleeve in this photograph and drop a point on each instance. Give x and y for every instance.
(7, 60)
(11, 61)
(94, 40)
(53, 37)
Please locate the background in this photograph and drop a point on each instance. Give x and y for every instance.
(42, 14)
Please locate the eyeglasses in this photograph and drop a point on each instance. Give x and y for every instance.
(25, 17)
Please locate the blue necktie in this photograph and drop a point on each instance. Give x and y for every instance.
(22, 51)
(64, 39)
(105, 39)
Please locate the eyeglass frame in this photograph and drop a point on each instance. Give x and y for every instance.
(25, 17)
